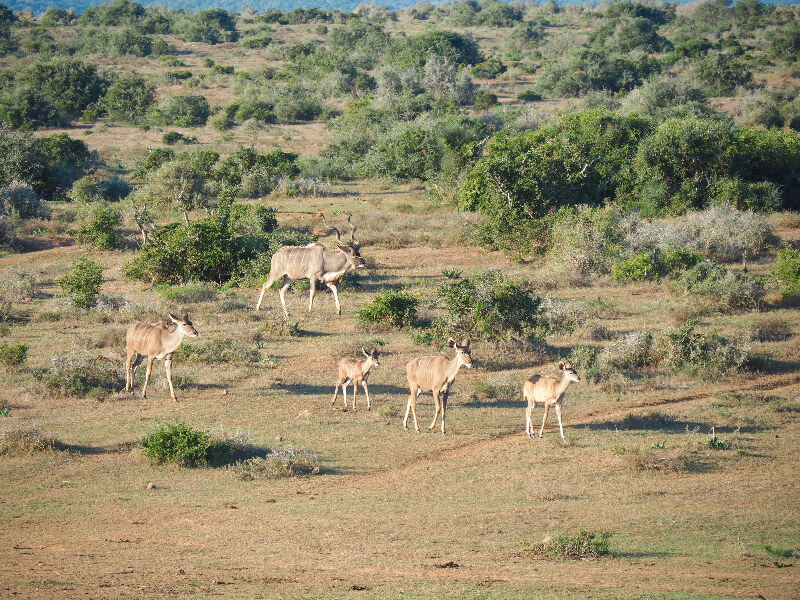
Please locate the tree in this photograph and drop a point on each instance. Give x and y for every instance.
(128, 98)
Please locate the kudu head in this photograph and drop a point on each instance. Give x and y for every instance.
(462, 351)
(184, 325)
(372, 356)
(569, 372)
(351, 248)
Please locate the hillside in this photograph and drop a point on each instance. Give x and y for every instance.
(616, 187)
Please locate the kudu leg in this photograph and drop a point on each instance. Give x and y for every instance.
(150, 360)
(544, 420)
(168, 369)
(438, 408)
(355, 389)
(335, 393)
(366, 391)
(312, 291)
(528, 416)
(444, 409)
(282, 293)
(412, 406)
(128, 361)
(332, 287)
(560, 427)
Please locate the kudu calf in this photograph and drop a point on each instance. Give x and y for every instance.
(154, 342)
(357, 371)
(315, 263)
(550, 392)
(435, 374)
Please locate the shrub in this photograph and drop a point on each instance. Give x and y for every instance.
(180, 444)
(277, 464)
(180, 111)
(580, 545)
(19, 199)
(632, 352)
(727, 234)
(188, 293)
(722, 72)
(655, 264)
(171, 137)
(490, 69)
(700, 354)
(76, 375)
(13, 356)
(485, 101)
(71, 85)
(787, 272)
(82, 283)
(391, 308)
(102, 232)
(18, 285)
(16, 441)
(487, 306)
(212, 26)
(723, 288)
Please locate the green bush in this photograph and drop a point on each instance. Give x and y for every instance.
(485, 101)
(580, 545)
(654, 265)
(154, 159)
(574, 160)
(391, 308)
(71, 85)
(787, 272)
(102, 232)
(700, 354)
(212, 26)
(639, 267)
(13, 356)
(171, 137)
(82, 283)
(490, 69)
(180, 111)
(488, 306)
(724, 289)
(180, 444)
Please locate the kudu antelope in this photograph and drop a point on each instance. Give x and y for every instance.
(357, 371)
(550, 392)
(154, 342)
(435, 374)
(315, 263)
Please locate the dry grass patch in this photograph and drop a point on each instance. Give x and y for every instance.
(26, 441)
(277, 464)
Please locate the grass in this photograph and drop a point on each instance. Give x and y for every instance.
(389, 507)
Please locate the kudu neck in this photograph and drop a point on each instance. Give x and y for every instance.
(564, 383)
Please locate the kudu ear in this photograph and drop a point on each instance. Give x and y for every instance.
(364, 352)
(451, 343)
(561, 366)
(173, 318)
(185, 315)
(465, 343)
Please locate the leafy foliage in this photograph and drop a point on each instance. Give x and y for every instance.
(82, 283)
(13, 356)
(787, 272)
(390, 308)
(102, 232)
(180, 444)
(488, 306)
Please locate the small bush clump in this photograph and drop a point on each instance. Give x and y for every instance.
(13, 356)
(78, 375)
(489, 306)
(277, 464)
(391, 308)
(723, 288)
(180, 444)
(583, 544)
(82, 283)
(700, 354)
(102, 232)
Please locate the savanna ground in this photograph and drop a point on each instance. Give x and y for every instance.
(393, 513)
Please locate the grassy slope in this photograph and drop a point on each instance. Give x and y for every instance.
(391, 507)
